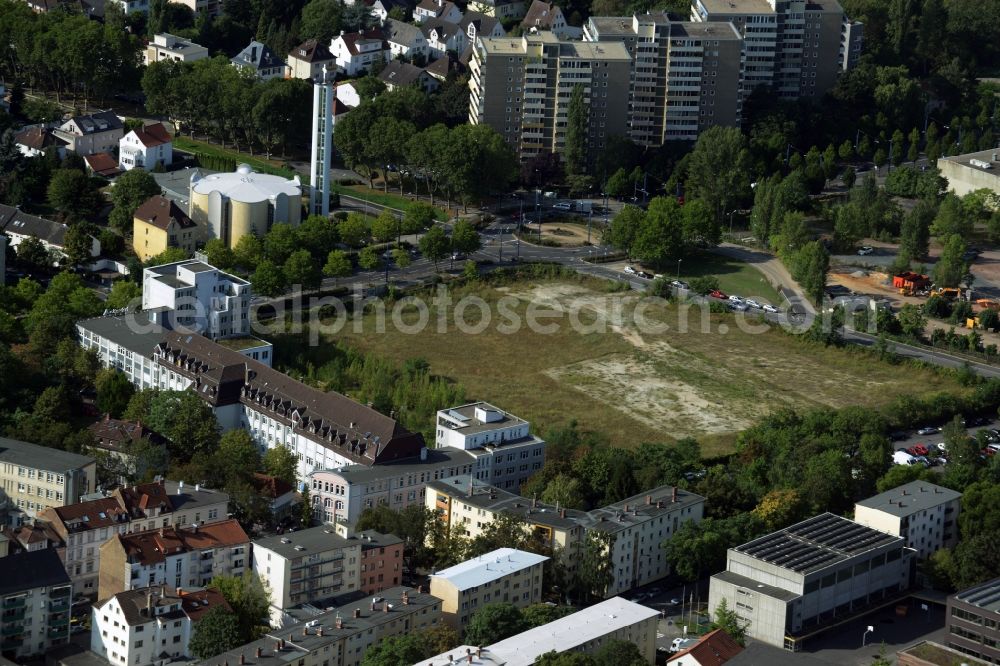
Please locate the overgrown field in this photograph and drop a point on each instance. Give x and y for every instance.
(612, 375)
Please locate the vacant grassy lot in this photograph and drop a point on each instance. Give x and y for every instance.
(708, 380)
(735, 277)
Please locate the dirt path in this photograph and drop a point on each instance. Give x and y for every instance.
(772, 269)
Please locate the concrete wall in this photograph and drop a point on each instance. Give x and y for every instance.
(963, 178)
(766, 616)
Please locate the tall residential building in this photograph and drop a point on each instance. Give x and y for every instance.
(33, 478)
(796, 46)
(173, 556)
(35, 597)
(505, 575)
(521, 87)
(790, 584)
(149, 626)
(686, 76)
(924, 514)
(324, 101)
(199, 297)
(633, 531)
(972, 621)
(306, 566)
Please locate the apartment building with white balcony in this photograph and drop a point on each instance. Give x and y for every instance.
(35, 598)
(173, 556)
(923, 513)
(306, 566)
(685, 75)
(199, 297)
(521, 87)
(33, 478)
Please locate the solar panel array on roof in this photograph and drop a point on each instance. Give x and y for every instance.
(985, 596)
(815, 543)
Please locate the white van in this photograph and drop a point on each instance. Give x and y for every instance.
(903, 458)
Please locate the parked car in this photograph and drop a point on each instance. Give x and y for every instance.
(563, 205)
(767, 307)
(739, 306)
(679, 284)
(929, 430)
(715, 293)
(917, 450)
(865, 250)
(941, 447)
(752, 303)
(903, 458)
(644, 275)
(629, 270)
(897, 435)
(735, 299)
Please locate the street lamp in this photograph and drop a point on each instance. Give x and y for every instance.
(735, 210)
(864, 637)
(678, 270)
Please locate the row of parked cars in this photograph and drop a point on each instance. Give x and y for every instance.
(735, 302)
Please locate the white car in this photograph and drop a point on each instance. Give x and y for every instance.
(941, 447)
(753, 304)
(562, 205)
(767, 307)
(865, 250)
(738, 306)
(629, 270)
(735, 299)
(928, 430)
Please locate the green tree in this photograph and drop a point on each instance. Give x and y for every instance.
(186, 420)
(237, 458)
(464, 238)
(216, 632)
(71, 193)
(32, 253)
(619, 184)
(899, 475)
(168, 256)
(249, 251)
(661, 234)
(354, 230)
(131, 190)
(319, 235)
(729, 621)
(493, 623)
(951, 267)
(219, 254)
(306, 507)
(575, 149)
(401, 257)
(321, 20)
(300, 269)
(553, 658)
(566, 491)
(810, 267)
(618, 652)
(912, 321)
(846, 151)
(369, 258)
(914, 235)
(124, 293)
(78, 242)
(536, 615)
(385, 227)
(419, 216)
(114, 390)
(281, 463)
(595, 570)
(435, 245)
(338, 264)
(248, 596)
(268, 280)
(280, 242)
(719, 168)
(397, 650)
(624, 228)
(951, 219)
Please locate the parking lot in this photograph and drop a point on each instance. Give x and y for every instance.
(931, 440)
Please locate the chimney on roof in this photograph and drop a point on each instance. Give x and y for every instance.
(149, 604)
(339, 622)
(562, 513)
(258, 652)
(243, 658)
(626, 508)
(533, 499)
(197, 487)
(420, 589)
(659, 504)
(905, 493)
(357, 612)
(373, 605)
(471, 488)
(673, 495)
(385, 606)
(290, 638)
(305, 631)
(319, 630)
(649, 500)
(179, 591)
(406, 598)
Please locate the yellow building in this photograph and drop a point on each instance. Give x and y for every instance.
(159, 223)
(232, 205)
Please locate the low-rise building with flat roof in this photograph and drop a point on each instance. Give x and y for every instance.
(923, 513)
(787, 585)
(34, 477)
(972, 171)
(339, 636)
(584, 631)
(505, 575)
(974, 621)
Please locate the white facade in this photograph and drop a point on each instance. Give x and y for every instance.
(355, 53)
(442, 9)
(170, 47)
(924, 514)
(137, 149)
(200, 297)
(306, 566)
(324, 100)
(405, 40)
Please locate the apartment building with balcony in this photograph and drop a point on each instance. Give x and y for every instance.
(796, 46)
(923, 513)
(633, 531)
(505, 575)
(172, 556)
(521, 87)
(973, 622)
(339, 636)
(149, 626)
(685, 77)
(200, 297)
(35, 598)
(33, 478)
(84, 526)
(306, 566)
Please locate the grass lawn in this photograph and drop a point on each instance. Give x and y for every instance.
(258, 163)
(379, 197)
(735, 277)
(709, 379)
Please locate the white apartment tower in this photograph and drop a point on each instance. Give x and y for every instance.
(324, 100)
(198, 296)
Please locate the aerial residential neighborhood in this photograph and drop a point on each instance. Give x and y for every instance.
(499, 333)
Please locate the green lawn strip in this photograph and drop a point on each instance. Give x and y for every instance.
(381, 198)
(735, 277)
(259, 164)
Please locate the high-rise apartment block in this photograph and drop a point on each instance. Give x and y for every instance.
(521, 87)
(654, 79)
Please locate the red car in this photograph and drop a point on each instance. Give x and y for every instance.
(715, 293)
(917, 450)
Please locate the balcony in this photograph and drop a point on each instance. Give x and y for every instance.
(14, 602)
(59, 605)
(61, 592)
(14, 615)
(12, 630)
